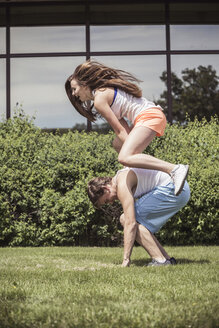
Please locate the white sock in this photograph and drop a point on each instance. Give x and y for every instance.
(175, 168)
(160, 260)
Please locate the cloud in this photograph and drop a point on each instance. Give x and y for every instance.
(124, 38)
(2, 39)
(194, 37)
(180, 62)
(47, 39)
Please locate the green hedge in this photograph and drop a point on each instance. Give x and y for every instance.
(43, 180)
(195, 144)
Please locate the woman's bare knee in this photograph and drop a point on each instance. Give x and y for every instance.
(124, 160)
(126, 156)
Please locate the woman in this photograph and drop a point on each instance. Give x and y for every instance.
(116, 98)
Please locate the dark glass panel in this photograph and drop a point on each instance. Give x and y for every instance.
(127, 13)
(199, 13)
(47, 15)
(2, 16)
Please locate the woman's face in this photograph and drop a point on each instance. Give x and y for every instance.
(83, 93)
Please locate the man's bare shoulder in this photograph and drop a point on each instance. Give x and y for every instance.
(126, 179)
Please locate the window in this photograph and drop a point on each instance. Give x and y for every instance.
(194, 13)
(47, 39)
(3, 88)
(127, 13)
(127, 38)
(2, 40)
(2, 16)
(194, 37)
(38, 85)
(24, 15)
(180, 62)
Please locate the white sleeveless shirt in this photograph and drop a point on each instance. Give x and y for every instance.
(126, 105)
(148, 180)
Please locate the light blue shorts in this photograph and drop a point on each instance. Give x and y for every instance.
(153, 209)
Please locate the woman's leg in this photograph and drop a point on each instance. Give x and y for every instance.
(131, 155)
(131, 151)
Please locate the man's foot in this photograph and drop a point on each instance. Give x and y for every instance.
(173, 261)
(157, 263)
(179, 175)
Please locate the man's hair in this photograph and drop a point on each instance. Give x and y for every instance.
(95, 76)
(95, 188)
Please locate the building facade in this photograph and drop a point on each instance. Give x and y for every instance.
(41, 43)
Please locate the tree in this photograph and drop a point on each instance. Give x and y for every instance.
(197, 93)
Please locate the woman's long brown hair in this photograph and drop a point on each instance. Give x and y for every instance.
(95, 76)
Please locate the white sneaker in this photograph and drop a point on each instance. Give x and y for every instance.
(179, 175)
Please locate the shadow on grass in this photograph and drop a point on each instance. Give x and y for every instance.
(143, 262)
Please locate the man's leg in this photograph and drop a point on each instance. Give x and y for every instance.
(149, 242)
(160, 247)
(155, 208)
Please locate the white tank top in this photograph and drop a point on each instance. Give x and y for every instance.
(126, 105)
(148, 180)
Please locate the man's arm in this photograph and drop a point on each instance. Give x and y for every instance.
(126, 198)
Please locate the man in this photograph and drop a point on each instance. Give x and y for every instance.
(148, 201)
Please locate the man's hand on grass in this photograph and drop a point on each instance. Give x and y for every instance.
(126, 263)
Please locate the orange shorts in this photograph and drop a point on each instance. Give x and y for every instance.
(152, 118)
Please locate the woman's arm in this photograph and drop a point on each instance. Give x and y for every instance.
(125, 125)
(102, 103)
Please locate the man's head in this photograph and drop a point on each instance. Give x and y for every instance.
(101, 190)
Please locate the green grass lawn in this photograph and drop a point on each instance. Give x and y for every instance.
(87, 288)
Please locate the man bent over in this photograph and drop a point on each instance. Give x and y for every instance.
(148, 201)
